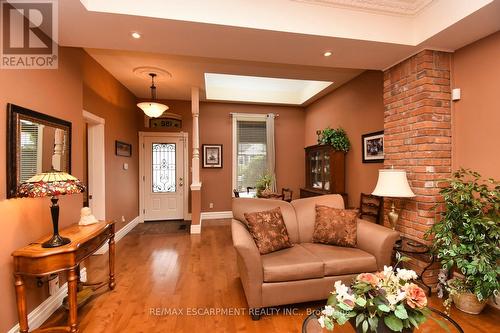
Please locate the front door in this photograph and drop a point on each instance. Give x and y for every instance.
(163, 178)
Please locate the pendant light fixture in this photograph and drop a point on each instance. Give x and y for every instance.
(152, 108)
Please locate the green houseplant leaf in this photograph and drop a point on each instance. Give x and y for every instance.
(394, 323)
(337, 138)
(467, 235)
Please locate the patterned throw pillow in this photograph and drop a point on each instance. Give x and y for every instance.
(335, 226)
(268, 230)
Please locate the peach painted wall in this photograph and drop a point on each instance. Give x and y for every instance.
(57, 93)
(63, 93)
(107, 98)
(357, 107)
(216, 128)
(476, 116)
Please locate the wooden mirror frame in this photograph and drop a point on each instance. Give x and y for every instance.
(14, 113)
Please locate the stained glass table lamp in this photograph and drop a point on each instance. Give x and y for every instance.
(51, 184)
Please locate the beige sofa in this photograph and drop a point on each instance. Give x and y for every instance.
(306, 271)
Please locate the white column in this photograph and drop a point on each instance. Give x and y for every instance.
(195, 110)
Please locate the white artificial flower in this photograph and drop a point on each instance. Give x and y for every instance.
(392, 299)
(321, 321)
(340, 288)
(401, 296)
(406, 274)
(328, 310)
(342, 292)
(387, 270)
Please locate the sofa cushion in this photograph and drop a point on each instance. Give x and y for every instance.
(306, 213)
(295, 263)
(249, 205)
(268, 230)
(335, 226)
(340, 260)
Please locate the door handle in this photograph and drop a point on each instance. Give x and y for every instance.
(181, 183)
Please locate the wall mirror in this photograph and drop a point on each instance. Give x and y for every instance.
(36, 143)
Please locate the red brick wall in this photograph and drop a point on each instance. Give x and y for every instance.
(417, 125)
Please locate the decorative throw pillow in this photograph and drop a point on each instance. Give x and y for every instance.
(335, 226)
(268, 230)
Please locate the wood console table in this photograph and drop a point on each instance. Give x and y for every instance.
(33, 260)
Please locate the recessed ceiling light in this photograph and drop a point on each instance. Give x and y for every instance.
(136, 35)
(327, 53)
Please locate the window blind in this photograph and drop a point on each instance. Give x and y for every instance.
(251, 152)
(29, 150)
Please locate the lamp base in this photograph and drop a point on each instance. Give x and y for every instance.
(393, 216)
(56, 241)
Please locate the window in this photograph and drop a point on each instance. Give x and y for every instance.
(251, 151)
(31, 149)
(163, 167)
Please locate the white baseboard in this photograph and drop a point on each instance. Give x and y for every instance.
(120, 234)
(195, 228)
(42, 312)
(216, 215)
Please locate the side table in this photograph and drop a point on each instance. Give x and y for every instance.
(33, 260)
(419, 251)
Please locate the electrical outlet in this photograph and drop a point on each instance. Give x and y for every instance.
(211, 205)
(123, 218)
(53, 284)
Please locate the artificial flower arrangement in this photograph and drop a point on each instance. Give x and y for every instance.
(373, 300)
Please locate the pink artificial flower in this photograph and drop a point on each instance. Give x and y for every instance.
(415, 296)
(369, 278)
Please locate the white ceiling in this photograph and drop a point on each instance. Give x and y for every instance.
(397, 7)
(187, 72)
(278, 38)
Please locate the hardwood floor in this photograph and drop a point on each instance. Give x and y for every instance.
(169, 282)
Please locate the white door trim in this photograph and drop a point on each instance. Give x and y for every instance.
(96, 163)
(181, 135)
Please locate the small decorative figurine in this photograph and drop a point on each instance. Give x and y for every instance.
(86, 217)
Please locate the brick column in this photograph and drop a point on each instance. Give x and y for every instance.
(417, 128)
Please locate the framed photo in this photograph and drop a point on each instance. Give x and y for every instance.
(373, 147)
(123, 149)
(212, 156)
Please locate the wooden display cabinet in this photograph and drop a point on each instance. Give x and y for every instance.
(325, 172)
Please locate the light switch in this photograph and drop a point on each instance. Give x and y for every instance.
(125, 166)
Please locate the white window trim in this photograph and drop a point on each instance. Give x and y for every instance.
(241, 117)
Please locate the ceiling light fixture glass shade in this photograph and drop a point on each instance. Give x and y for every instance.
(152, 109)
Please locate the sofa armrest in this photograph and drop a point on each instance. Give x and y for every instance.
(376, 240)
(249, 263)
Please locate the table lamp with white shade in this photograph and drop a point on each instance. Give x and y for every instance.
(394, 184)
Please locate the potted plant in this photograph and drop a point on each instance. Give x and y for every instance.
(337, 138)
(386, 301)
(466, 239)
(263, 185)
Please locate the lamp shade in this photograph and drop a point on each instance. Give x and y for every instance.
(50, 184)
(393, 183)
(152, 109)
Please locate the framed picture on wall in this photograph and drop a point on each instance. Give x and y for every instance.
(212, 156)
(123, 149)
(372, 145)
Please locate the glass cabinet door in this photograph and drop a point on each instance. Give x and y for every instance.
(326, 171)
(316, 165)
